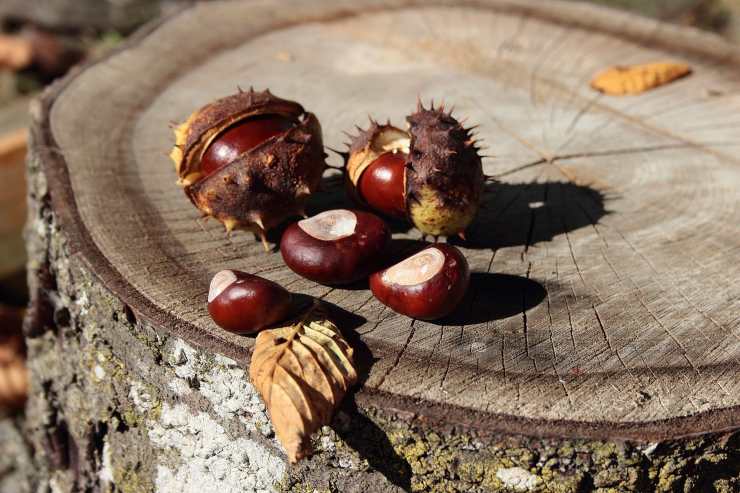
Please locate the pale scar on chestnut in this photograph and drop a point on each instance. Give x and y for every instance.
(416, 269)
(330, 225)
(219, 283)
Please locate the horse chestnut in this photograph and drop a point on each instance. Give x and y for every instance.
(250, 160)
(335, 247)
(382, 185)
(244, 303)
(440, 184)
(428, 285)
(240, 138)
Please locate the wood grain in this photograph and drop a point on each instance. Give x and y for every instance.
(606, 299)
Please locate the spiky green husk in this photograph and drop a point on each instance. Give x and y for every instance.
(444, 177)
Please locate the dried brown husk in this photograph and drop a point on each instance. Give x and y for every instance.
(302, 372)
(263, 186)
(444, 177)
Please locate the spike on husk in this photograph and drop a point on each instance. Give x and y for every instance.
(446, 176)
(270, 181)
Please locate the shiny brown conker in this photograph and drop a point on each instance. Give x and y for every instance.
(244, 303)
(382, 184)
(335, 247)
(427, 285)
(240, 138)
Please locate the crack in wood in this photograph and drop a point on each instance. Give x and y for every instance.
(412, 329)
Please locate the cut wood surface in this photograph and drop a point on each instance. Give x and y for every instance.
(605, 298)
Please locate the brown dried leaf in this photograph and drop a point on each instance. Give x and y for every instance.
(635, 79)
(302, 373)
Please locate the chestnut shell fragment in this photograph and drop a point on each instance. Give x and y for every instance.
(444, 178)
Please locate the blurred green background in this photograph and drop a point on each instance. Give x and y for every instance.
(720, 16)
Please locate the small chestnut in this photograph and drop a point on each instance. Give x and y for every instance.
(335, 247)
(240, 138)
(428, 285)
(382, 185)
(244, 303)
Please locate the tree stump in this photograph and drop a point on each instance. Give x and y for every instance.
(597, 350)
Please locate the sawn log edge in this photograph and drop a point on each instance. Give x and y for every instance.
(418, 411)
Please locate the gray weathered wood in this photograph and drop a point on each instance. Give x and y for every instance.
(606, 301)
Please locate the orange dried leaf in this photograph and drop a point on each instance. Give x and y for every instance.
(302, 373)
(13, 146)
(13, 374)
(16, 52)
(13, 385)
(635, 79)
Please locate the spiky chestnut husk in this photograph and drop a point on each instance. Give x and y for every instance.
(443, 179)
(365, 149)
(264, 185)
(444, 176)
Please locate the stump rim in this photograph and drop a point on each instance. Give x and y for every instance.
(421, 412)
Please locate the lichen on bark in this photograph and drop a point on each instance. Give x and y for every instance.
(118, 405)
(419, 459)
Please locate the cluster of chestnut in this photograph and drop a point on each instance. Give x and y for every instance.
(251, 160)
(338, 247)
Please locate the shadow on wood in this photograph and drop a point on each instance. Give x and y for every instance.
(524, 214)
(372, 443)
(494, 297)
(357, 430)
(333, 195)
(511, 214)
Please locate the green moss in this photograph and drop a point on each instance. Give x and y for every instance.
(130, 480)
(131, 418)
(456, 462)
